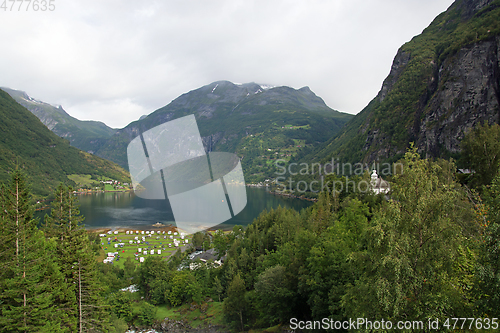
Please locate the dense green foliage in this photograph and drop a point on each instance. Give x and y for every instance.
(50, 280)
(481, 152)
(488, 276)
(426, 253)
(31, 285)
(417, 257)
(49, 159)
(430, 251)
(76, 260)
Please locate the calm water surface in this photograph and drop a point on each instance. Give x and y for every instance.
(113, 210)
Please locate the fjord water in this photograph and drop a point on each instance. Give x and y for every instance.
(122, 210)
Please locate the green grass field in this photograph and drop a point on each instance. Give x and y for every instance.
(211, 314)
(156, 242)
(83, 180)
(108, 187)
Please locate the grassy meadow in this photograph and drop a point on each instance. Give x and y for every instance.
(160, 240)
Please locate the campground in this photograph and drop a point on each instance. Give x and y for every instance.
(137, 244)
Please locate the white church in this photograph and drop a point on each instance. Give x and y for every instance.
(379, 185)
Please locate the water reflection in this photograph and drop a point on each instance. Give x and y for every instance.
(112, 210)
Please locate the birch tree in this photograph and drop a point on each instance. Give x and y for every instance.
(418, 250)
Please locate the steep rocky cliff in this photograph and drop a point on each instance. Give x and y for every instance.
(441, 83)
(467, 93)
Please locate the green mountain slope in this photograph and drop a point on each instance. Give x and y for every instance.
(259, 124)
(442, 83)
(84, 135)
(47, 159)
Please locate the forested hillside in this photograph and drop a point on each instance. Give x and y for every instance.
(27, 144)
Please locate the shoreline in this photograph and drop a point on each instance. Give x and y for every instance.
(100, 191)
(289, 195)
(103, 230)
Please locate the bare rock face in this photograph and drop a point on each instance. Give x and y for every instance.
(470, 7)
(398, 65)
(441, 84)
(178, 326)
(468, 93)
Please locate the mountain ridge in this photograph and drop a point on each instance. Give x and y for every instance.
(441, 83)
(28, 144)
(86, 135)
(229, 115)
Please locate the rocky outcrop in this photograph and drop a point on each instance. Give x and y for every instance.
(398, 65)
(468, 93)
(441, 84)
(469, 8)
(180, 326)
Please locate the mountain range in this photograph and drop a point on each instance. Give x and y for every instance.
(85, 135)
(48, 159)
(441, 84)
(258, 122)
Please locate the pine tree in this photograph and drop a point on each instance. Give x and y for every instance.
(57, 213)
(77, 261)
(30, 281)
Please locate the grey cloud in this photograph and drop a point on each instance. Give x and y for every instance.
(116, 60)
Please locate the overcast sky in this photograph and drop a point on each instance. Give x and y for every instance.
(114, 61)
